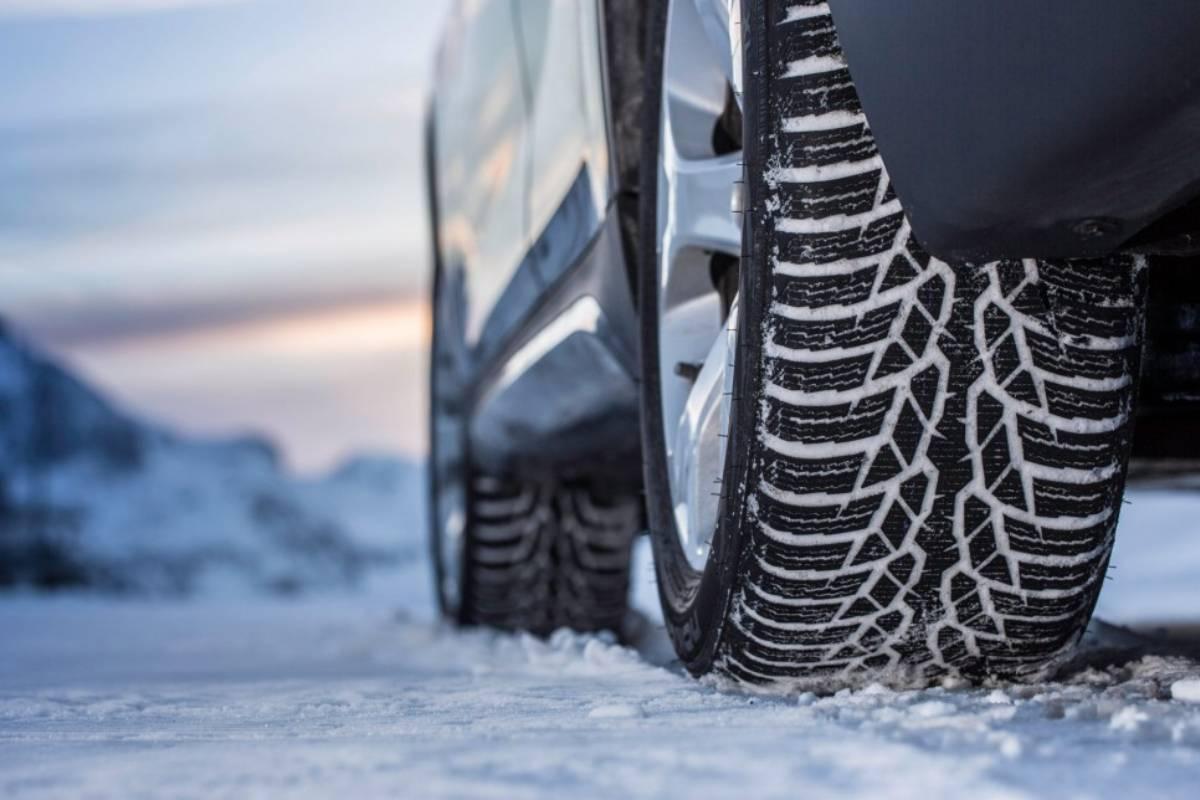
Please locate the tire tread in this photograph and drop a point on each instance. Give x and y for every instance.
(942, 450)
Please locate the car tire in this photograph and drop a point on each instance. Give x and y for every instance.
(925, 463)
(542, 556)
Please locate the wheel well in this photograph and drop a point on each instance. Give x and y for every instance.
(1168, 425)
(625, 58)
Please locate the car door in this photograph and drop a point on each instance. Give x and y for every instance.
(570, 177)
(481, 159)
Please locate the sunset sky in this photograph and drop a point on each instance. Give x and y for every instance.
(214, 208)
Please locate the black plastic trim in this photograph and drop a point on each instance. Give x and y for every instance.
(1029, 128)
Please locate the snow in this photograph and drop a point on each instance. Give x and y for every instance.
(336, 695)
(1186, 690)
(1155, 570)
(364, 694)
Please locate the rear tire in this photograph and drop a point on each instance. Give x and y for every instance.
(542, 556)
(925, 463)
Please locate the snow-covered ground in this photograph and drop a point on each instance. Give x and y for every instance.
(361, 695)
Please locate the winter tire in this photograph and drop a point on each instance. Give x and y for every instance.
(922, 464)
(542, 556)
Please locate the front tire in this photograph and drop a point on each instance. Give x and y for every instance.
(925, 464)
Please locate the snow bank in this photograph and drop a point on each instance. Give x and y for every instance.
(90, 497)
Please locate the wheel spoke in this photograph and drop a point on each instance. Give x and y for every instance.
(700, 205)
(721, 20)
(700, 441)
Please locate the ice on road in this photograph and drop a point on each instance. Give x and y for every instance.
(360, 696)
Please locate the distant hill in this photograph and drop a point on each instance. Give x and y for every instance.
(91, 497)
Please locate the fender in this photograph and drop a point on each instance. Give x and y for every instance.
(1028, 128)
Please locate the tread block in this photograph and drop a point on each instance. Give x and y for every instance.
(831, 246)
(885, 466)
(821, 93)
(812, 614)
(896, 525)
(818, 520)
(807, 36)
(819, 376)
(895, 359)
(837, 587)
(900, 271)
(1072, 403)
(917, 330)
(817, 556)
(821, 291)
(844, 422)
(872, 550)
(914, 490)
(827, 147)
(1042, 444)
(996, 323)
(1068, 361)
(837, 333)
(844, 196)
(837, 475)
(909, 432)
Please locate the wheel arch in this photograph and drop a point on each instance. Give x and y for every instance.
(624, 52)
(987, 116)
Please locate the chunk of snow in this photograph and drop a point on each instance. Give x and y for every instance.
(1129, 719)
(1010, 746)
(616, 711)
(1186, 690)
(931, 708)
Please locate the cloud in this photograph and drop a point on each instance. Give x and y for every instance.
(90, 8)
(128, 225)
(70, 325)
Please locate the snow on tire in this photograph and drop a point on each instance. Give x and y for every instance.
(935, 455)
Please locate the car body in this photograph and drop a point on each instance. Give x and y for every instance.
(523, 188)
(528, 162)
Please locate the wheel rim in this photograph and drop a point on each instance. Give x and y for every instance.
(699, 236)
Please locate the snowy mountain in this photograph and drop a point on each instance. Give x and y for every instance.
(92, 497)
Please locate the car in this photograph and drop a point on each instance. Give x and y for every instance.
(850, 307)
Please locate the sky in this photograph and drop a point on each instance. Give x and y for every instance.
(214, 209)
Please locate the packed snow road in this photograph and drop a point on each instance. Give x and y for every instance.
(365, 696)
